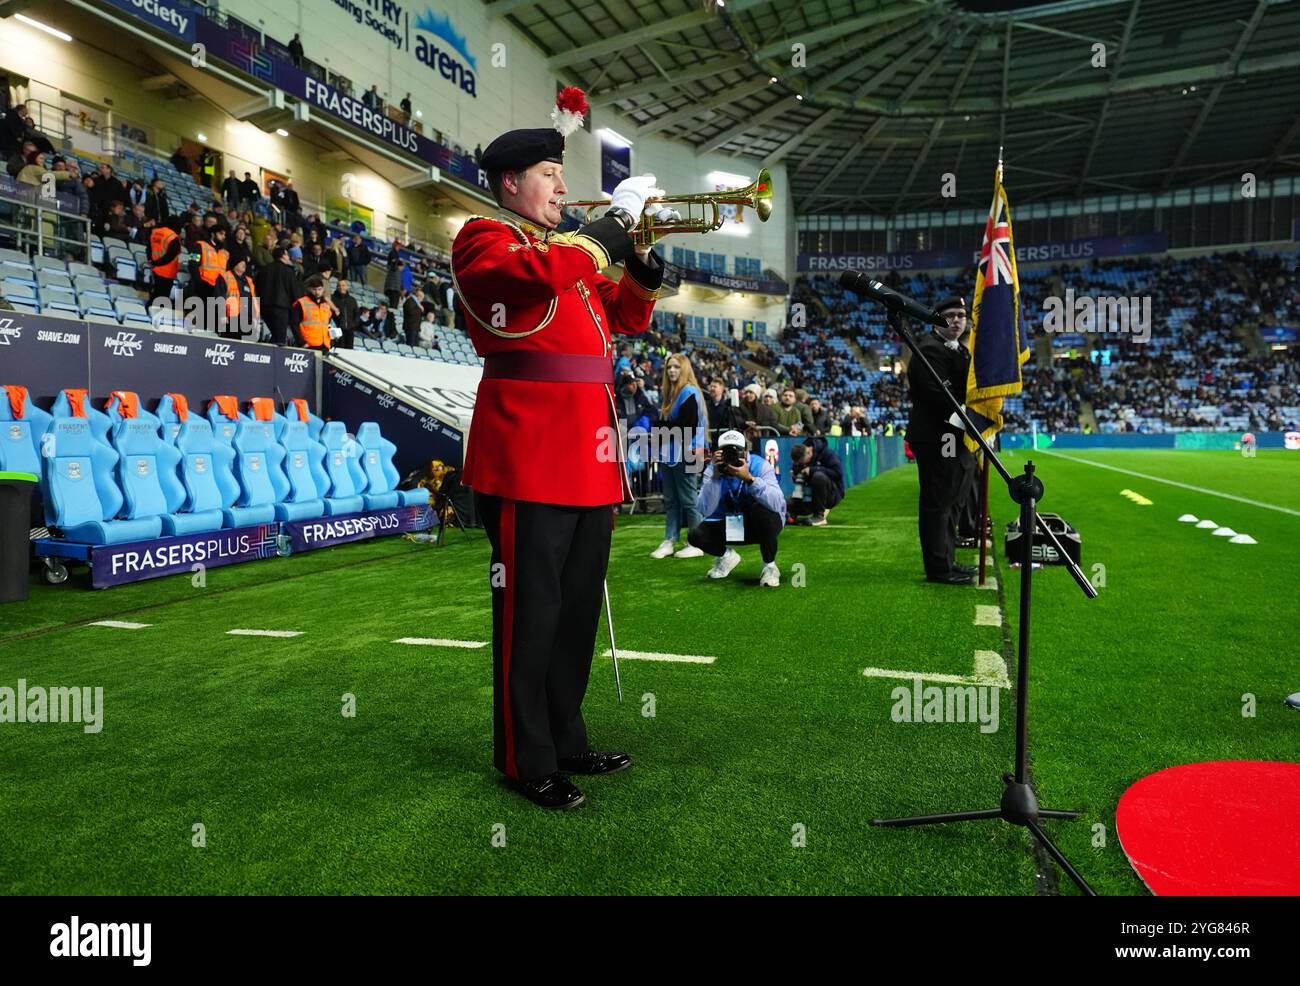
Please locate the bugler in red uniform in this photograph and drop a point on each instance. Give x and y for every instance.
(528, 289)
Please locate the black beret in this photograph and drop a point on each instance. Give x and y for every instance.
(950, 303)
(520, 149)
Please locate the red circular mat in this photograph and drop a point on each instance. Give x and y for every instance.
(1229, 827)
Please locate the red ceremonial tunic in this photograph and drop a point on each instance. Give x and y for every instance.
(525, 288)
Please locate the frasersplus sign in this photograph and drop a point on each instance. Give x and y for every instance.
(249, 57)
(1101, 246)
(116, 564)
(322, 532)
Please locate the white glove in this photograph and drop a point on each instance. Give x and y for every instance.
(335, 332)
(662, 214)
(631, 193)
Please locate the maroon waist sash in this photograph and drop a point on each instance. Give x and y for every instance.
(548, 367)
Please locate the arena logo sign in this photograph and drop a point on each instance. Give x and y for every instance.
(452, 61)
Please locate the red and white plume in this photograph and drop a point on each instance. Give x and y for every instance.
(570, 105)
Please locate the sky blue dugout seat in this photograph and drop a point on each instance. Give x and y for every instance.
(305, 472)
(223, 413)
(74, 403)
(262, 483)
(381, 475)
(83, 495)
(124, 404)
(210, 486)
(173, 410)
(38, 420)
(149, 476)
(297, 410)
(347, 480)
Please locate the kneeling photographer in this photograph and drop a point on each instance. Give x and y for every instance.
(741, 503)
(818, 482)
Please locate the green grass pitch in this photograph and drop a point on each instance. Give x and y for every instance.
(782, 735)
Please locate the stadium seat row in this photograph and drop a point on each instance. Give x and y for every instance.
(126, 474)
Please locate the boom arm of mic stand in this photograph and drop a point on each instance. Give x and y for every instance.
(897, 323)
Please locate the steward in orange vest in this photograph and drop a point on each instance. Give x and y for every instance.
(243, 313)
(164, 259)
(310, 316)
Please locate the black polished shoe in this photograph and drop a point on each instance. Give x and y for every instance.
(967, 569)
(592, 762)
(552, 791)
(952, 578)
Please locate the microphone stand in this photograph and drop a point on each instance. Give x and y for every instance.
(1019, 805)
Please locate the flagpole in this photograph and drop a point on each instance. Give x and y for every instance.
(984, 515)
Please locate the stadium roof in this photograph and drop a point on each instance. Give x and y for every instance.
(896, 93)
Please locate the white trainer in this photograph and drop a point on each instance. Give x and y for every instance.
(664, 550)
(771, 575)
(690, 551)
(723, 565)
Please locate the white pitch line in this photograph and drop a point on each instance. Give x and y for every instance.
(1173, 482)
(990, 669)
(640, 655)
(437, 642)
(264, 633)
(120, 624)
(990, 582)
(988, 616)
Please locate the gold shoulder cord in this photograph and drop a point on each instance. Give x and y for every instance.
(550, 311)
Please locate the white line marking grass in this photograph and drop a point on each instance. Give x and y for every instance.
(641, 655)
(989, 669)
(990, 582)
(120, 624)
(438, 642)
(988, 616)
(264, 633)
(1172, 482)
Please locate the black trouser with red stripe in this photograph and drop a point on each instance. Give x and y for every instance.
(546, 599)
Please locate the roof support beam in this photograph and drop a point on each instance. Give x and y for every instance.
(830, 116)
(1247, 33)
(781, 106)
(1105, 107)
(916, 165)
(695, 107)
(649, 87)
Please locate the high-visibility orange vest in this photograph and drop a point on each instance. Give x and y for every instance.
(315, 321)
(232, 296)
(159, 240)
(212, 262)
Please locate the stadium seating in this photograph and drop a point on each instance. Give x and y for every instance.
(84, 511)
(346, 478)
(303, 464)
(262, 483)
(381, 475)
(206, 471)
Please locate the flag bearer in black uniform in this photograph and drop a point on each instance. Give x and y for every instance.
(943, 464)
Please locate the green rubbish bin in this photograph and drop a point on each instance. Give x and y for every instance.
(16, 490)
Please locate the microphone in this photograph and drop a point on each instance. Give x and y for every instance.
(869, 287)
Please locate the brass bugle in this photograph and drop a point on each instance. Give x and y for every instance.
(757, 195)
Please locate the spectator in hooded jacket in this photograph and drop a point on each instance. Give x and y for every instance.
(819, 482)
